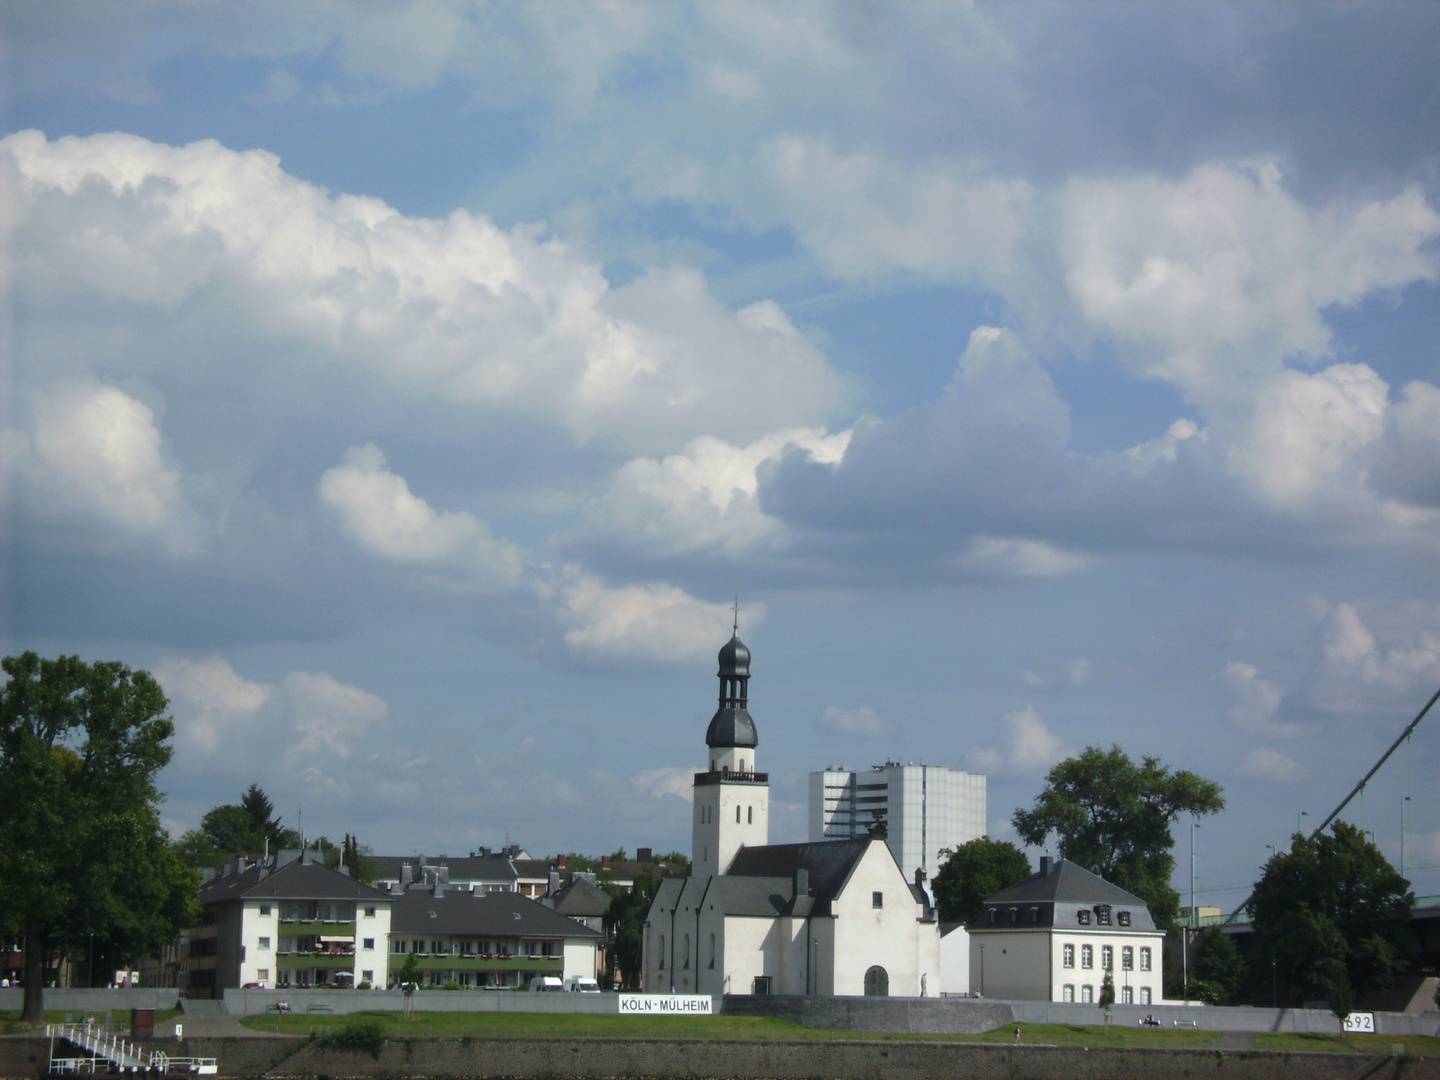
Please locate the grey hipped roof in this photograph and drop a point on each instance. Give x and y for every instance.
(1063, 888)
(829, 864)
(461, 868)
(581, 897)
(299, 880)
(498, 915)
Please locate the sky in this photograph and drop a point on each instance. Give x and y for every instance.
(415, 389)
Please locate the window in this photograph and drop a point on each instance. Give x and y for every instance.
(264, 943)
(263, 974)
(367, 976)
(1069, 956)
(1123, 918)
(1087, 956)
(749, 815)
(1127, 995)
(1144, 958)
(1069, 992)
(1107, 957)
(369, 943)
(877, 899)
(1144, 995)
(264, 909)
(397, 946)
(1102, 914)
(992, 916)
(1034, 915)
(1127, 958)
(369, 912)
(1014, 915)
(1083, 918)
(1087, 993)
(737, 815)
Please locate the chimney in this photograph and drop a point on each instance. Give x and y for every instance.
(439, 892)
(802, 883)
(1044, 865)
(554, 882)
(644, 854)
(562, 862)
(920, 877)
(605, 861)
(407, 874)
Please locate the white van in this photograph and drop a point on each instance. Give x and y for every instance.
(579, 984)
(542, 983)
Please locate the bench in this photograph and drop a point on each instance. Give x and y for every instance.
(319, 1007)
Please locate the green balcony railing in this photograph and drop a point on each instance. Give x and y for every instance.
(331, 962)
(300, 927)
(538, 965)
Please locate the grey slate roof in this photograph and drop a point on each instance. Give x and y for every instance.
(1060, 892)
(829, 864)
(462, 868)
(501, 915)
(581, 897)
(294, 881)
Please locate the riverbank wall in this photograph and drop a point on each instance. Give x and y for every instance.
(609, 1059)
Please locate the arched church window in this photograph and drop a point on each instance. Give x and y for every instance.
(749, 815)
(877, 982)
(737, 815)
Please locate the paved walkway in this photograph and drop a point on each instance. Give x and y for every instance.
(209, 1020)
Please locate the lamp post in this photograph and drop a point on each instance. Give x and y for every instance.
(1190, 922)
(1299, 827)
(982, 969)
(1403, 801)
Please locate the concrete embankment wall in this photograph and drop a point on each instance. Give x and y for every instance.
(13, 998)
(594, 1059)
(959, 1016)
(255, 1002)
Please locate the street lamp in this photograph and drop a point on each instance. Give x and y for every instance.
(1300, 828)
(982, 969)
(1403, 801)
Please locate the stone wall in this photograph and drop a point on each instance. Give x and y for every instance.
(255, 1002)
(970, 1015)
(282, 1059)
(13, 998)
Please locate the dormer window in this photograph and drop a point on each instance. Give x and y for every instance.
(1102, 914)
(992, 916)
(1083, 918)
(1014, 914)
(1034, 915)
(1123, 918)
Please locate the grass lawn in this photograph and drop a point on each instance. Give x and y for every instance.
(1333, 1043)
(119, 1019)
(582, 1026)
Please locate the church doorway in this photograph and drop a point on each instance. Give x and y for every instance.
(877, 982)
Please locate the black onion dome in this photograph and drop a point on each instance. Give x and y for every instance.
(734, 659)
(731, 727)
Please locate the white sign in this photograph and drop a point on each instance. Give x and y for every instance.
(1360, 1022)
(667, 1004)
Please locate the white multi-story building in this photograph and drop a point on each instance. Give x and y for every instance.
(1056, 935)
(924, 808)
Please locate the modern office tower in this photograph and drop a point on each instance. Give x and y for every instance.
(924, 808)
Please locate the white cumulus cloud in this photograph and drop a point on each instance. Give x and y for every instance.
(1254, 702)
(860, 721)
(1270, 766)
(1023, 745)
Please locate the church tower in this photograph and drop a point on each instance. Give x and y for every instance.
(732, 799)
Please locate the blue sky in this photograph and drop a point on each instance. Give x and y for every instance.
(414, 387)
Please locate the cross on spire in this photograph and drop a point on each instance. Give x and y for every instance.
(735, 626)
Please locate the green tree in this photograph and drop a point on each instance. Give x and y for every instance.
(1113, 817)
(358, 859)
(1107, 992)
(82, 852)
(974, 871)
(247, 826)
(195, 848)
(625, 929)
(1334, 915)
(1218, 969)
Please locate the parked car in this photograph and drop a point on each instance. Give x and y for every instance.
(579, 984)
(541, 983)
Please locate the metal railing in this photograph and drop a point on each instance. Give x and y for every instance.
(101, 1045)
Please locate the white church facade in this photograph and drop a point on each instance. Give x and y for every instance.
(831, 917)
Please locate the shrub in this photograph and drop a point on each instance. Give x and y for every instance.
(361, 1034)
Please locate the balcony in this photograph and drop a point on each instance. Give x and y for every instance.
(301, 927)
(537, 965)
(705, 779)
(312, 961)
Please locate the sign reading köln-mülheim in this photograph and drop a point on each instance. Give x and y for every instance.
(653, 1004)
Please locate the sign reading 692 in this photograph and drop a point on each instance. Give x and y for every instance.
(1360, 1022)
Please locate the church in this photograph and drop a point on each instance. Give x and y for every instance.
(834, 917)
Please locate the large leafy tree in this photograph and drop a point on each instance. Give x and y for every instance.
(1217, 968)
(82, 854)
(974, 871)
(249, 826)
(1113, 817)
(1333, 915)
